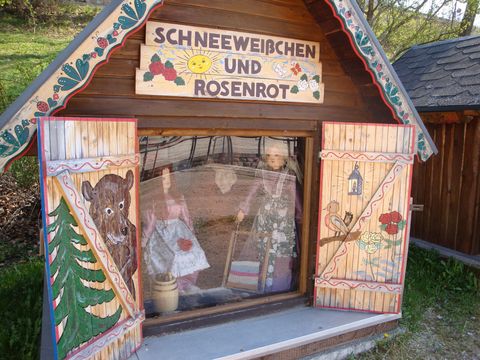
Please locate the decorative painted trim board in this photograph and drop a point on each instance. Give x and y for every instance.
(369, 50)
(73, 76)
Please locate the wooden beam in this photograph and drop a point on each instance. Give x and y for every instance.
(346, 284)
(450, 117)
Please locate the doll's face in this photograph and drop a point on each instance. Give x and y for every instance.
(166, 180)
(274, 158)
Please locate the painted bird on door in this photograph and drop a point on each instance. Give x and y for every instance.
(334, 222)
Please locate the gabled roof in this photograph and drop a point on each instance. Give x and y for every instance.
(443, 75)
(73, 69)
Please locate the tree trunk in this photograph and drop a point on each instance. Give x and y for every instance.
(371, 10)
(466, 26)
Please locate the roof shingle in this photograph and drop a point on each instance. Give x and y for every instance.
(442, 74)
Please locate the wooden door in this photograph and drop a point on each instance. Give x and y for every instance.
(89, 182)
(365, 182)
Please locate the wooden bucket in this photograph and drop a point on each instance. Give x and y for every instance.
(165, 293)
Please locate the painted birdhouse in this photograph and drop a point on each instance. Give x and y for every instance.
(355, 182)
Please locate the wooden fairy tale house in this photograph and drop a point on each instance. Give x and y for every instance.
(443, 81)
(243, 167)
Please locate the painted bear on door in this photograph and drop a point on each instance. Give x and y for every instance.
(109, 208)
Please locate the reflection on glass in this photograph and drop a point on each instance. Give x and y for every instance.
(220, 219)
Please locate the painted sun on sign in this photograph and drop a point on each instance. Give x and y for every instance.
(198, 64)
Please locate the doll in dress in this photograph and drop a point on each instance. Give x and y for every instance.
(273, 230)
(169, 242)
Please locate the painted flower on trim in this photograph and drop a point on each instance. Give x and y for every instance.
(313, 85)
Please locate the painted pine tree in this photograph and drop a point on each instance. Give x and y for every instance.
(72, 296)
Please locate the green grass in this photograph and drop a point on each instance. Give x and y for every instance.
(432, 281)
(25, 52)
(440, 312)
(21, 304)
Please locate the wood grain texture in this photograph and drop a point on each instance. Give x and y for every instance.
(111, 91)
(448, 185)
(66, 144)
(361, 265)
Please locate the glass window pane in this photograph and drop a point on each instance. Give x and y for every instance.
(220, 219)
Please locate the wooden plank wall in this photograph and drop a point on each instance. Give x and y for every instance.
(449, 187)
(112, 90)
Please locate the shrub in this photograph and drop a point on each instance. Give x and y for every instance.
(31, 10)
(25, 171)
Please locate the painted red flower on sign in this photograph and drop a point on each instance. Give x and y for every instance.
(156, 68)
(396, 217)
(170, 74)
(167, 70)
(385, 218)
(392, 222)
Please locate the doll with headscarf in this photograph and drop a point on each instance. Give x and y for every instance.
(169, 241)
(273, 231)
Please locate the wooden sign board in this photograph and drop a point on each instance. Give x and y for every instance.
(189, 61)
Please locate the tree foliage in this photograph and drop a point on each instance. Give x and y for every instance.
(400, 24)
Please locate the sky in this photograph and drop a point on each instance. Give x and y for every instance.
(455, 5)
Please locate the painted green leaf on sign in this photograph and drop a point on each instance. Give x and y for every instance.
(126, 22)
(316, 95)
(148, 76)
(179, 81)
(22, 133)
(69, 288)
(140, 6)
(71, 72)
(294, 89)
(67, 83)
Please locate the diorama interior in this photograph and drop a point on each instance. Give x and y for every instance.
(222, 215)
